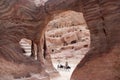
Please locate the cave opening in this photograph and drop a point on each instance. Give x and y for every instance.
(26, 46)
(28, 19)
(68, 40)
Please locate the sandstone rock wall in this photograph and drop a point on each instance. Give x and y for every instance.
(102, 17)
(22, 19)
(19, 19)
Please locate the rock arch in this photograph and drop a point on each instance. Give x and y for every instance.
(22, 19)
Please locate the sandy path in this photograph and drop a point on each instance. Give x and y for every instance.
(65, 74)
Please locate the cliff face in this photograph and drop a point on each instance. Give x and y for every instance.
(65, 33)
(22, 19)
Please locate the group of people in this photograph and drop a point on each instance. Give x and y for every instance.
(66, 66)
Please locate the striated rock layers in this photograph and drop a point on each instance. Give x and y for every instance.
(24, 19)
(20, 19)
(102, 17)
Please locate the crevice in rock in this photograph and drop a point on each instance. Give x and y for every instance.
(104, 32)
(103, 19)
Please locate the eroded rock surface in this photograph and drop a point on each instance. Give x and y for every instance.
(23, 19)
(103, 21)
(19, 19)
